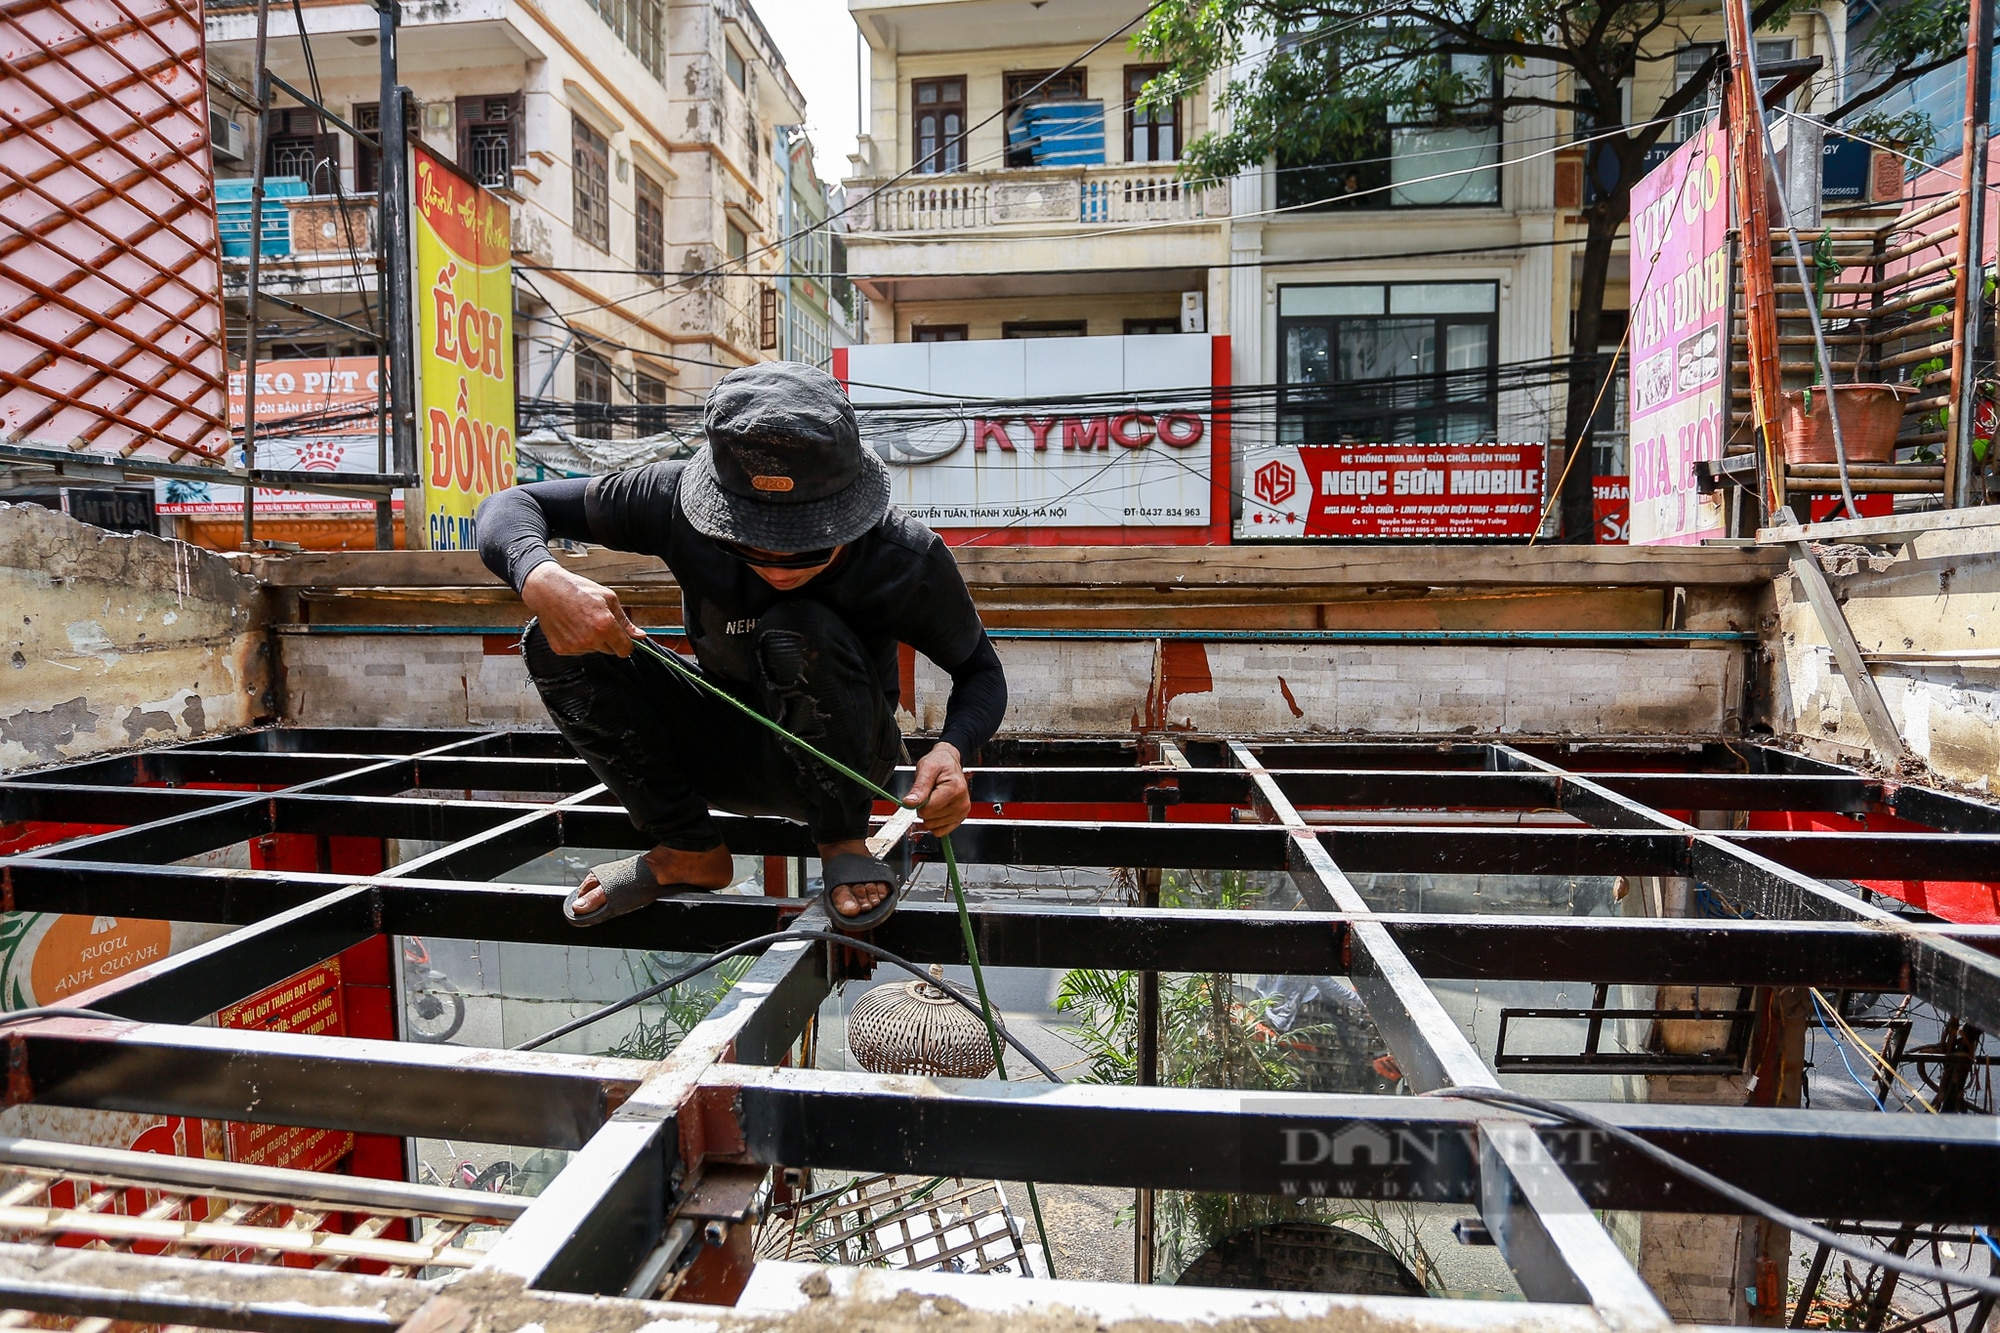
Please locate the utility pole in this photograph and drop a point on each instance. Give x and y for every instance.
(385, 462)
(398, 273)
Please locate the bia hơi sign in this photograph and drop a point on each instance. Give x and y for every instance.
(1038, 436)
(1392, 490)
(465, 350)
(1680, 340)
(313, 415)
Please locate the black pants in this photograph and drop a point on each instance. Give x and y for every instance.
(669, 750)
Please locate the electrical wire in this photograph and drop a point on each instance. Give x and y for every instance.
(1840, 1049)
(761, 942)
(1872, 1053)
(58, 1011)
(1741, 1198)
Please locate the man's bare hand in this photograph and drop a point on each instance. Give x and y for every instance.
(577, 615)
(939, 792)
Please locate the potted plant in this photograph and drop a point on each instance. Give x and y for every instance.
(1871, 415)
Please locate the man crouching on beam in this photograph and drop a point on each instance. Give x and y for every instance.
(798, 580)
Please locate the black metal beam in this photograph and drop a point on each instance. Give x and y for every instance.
(1545, 1230)
(370, 1087)
(193, 984)
(607, 1211)
(1933, 1168)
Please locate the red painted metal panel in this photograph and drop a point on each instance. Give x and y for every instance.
(110, 268)
(1966, 902)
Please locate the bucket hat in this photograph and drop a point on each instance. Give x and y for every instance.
(783, 469)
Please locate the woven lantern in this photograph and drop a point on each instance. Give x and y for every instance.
(913, 1027)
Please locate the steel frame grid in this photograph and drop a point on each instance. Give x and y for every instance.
(645, 1134)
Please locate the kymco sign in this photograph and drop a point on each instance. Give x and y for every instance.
(1044, 434)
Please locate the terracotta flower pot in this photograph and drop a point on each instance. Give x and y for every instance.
(1870, 416)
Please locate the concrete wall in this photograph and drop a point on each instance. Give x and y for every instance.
(1923, 615)
(1085, 687)
(113, 641)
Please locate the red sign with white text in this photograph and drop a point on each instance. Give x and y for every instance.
(1392, 490)
(1611, 503)
(310, 1004)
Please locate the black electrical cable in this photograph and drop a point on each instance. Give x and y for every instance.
(763, 942)
(1715, 1184)
(58, 1011)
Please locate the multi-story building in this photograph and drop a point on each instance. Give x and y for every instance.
(634, 141)
(1423, 293)
(996, 201)
(816, 295)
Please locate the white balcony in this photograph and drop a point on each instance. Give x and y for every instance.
(1081, 197)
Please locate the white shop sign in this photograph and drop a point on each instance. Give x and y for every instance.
(1043, 433)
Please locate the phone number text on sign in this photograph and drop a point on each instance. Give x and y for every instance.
(1393, 490)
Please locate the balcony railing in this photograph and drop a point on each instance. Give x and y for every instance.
(1080, 196)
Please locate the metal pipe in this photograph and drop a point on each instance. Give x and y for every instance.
(1148, 1076)
(1971, 287)
(262, 83)
(1798, 260)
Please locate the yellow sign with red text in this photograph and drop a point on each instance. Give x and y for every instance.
(465, 350)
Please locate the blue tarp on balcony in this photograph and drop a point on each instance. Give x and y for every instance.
(1060, 134)
(232, 215)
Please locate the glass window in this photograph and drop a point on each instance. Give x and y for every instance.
(1404, 161)
(1689, 62)
(367, 117)
(489, 138)
(937, 333)
(593, 389)
(1151, 135)
(649, 224)
(732, 64)
(1439, 168)
(1342, 300)
(590, 163)
(937, 124)
(739, 243)
(1151, 327)
(1408, 363)
(1441, 298)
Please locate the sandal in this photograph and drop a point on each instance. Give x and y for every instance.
(628, 886)
(851, 868)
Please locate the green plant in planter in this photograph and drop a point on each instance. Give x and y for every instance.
(1210, 1037)
(1825, 268)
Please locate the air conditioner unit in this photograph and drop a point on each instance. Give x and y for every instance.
(225, 136)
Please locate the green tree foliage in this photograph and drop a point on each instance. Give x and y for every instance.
(1337, 71)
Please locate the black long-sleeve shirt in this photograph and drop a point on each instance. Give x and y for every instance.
(896, 584)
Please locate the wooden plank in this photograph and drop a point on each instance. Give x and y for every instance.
(1867, 696)
(1116, 566)
(1895, 528)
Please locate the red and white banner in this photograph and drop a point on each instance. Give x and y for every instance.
(313, 415)
(1392, 490)
(1101, 440)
